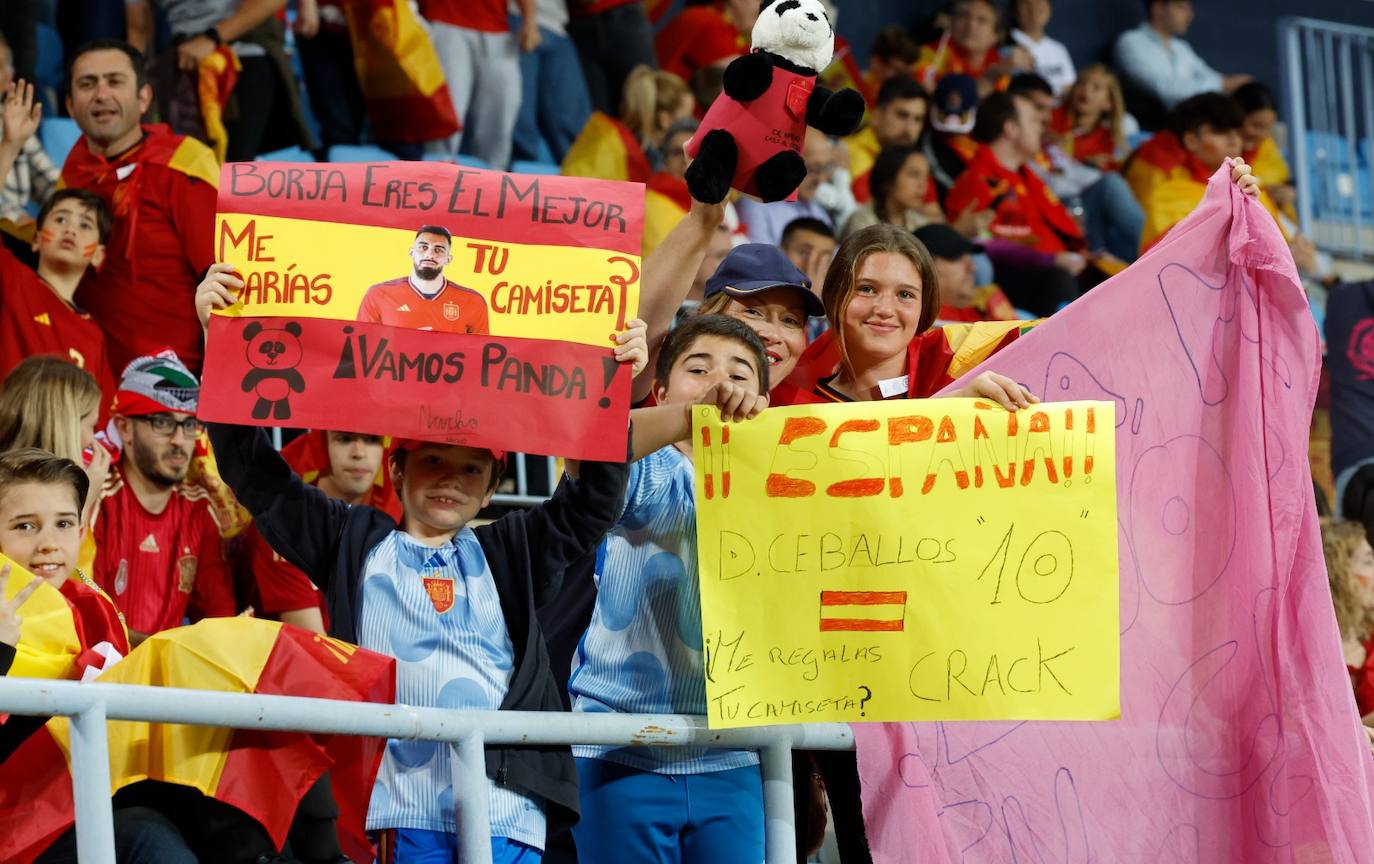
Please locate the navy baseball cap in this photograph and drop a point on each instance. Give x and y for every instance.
(754, 267)
(942, 241)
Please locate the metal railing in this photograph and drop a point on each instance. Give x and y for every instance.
(528, 467)
(91, 705)
(1328, 101)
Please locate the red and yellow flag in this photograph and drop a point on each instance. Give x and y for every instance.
(402, 81)
(227, 655)
(49, 643)
(606, 149)
(215, 80)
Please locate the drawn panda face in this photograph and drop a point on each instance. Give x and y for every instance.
(275, 348)
(798, 30)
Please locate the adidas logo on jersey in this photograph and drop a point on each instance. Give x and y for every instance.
(149, 544)
(404, 307)
(43, 319)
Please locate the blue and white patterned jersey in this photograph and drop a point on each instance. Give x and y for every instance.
(642, 650)
(438, 613)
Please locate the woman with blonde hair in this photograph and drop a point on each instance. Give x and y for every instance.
(49, 403)
(629, 147)
(1350, 570)
(1091, 122)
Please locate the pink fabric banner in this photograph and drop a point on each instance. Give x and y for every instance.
(1239, 739)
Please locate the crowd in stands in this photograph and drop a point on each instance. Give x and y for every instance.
(995, 180)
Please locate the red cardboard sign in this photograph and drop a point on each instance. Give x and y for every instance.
(525, 395)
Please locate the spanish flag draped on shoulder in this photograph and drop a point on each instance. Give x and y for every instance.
(934, 359)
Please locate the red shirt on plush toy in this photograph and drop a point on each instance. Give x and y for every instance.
(752, 135)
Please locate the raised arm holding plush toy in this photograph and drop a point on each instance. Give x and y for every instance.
(752, 135)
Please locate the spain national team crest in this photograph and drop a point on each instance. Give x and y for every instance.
(186, 572)
(440, 590)
(450, 311)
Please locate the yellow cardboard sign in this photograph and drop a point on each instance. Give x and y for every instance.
(532, 291)
(936, 559)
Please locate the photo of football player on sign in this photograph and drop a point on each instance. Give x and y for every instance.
(426, 299)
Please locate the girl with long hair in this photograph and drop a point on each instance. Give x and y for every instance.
(49, 403)
(1090, 123)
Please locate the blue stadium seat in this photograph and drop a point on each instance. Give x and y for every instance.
(1338, 183)
(359, 153)
(58, 135)
(49, 71)
(521, 166)
(461, 159)
(288, 154)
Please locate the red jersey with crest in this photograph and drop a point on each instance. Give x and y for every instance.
(455, 309)
(774, 122)
(34, 320)
(160, 568)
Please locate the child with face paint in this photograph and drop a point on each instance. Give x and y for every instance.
(37, 315)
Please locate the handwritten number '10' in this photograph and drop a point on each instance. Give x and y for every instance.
(1045, 571)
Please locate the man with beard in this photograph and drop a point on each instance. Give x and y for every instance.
(161, 188)
(426, 299)
(157, 541)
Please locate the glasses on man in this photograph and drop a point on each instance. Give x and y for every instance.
(166, 424)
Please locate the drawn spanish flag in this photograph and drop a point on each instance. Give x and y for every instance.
(402, 81)
(863, 611)
(228, 655)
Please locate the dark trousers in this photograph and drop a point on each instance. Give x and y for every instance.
(1040, 291)
(335, 97)
(610, 44)
(142, 836)
(259, 100)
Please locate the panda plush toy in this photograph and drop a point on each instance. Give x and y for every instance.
(751, 137)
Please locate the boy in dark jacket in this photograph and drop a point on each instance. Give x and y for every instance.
(455, 606)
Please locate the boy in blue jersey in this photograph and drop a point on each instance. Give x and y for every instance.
(454, 605)
(642, 651)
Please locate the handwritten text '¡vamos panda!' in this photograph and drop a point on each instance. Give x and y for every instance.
(501, 368)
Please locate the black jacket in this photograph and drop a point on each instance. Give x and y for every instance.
(527, 551)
